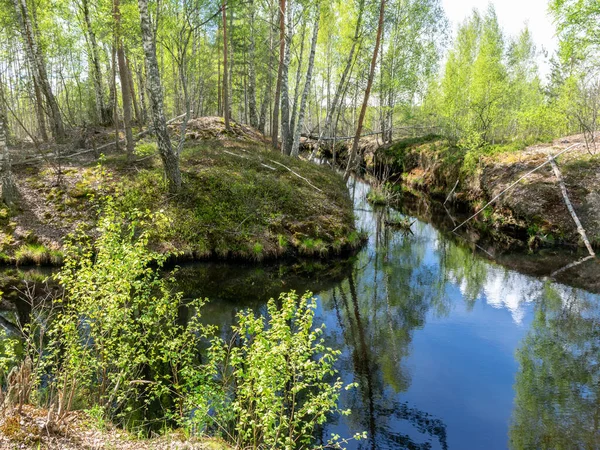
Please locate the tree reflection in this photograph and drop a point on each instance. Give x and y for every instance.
(386, 297)
(557, 403)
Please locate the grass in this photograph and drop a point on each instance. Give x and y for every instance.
(36, 254)
(237, 202)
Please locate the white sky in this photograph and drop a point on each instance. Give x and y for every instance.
(512, 15)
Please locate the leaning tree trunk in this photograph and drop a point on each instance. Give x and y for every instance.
(275, 123)
(102, 112)
(38, 66)
(169, 158)
(125, 83)
(311, 61)
(225, 84)
(9, 189)
(286, 133)
(340, 86)
(363, 109)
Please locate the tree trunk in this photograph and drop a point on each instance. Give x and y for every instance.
(311, 61)
(286, 134)
(275, 123)
(125, 82)
(169, 158)
(298, 82)
(39, 107)
(103, 115)
(340, 86)
(9, 189)
(363, 109)
(225, 84)
(136, 108)
(252, 72)
(36, 61)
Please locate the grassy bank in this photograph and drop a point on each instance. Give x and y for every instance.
(534, 209)
(240, 200)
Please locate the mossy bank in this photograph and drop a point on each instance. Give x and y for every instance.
(240, 200)
(532, 213)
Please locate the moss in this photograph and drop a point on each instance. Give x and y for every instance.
(228, 201)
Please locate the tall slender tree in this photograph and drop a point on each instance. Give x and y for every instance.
(125, 83)
(365, 103)
(169, 158)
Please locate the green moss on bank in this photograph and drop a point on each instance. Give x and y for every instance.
(238, 201)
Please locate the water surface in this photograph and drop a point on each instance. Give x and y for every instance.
(450, 350)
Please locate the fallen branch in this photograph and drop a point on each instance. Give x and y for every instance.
(565, 195)
(298, 175)
(452, 191)
(514, 184)
(573, 264)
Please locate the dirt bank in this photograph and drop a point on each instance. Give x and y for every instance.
(533, 211)
(240, 200)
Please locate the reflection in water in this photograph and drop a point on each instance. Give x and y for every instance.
(429, 331)
(557, 404)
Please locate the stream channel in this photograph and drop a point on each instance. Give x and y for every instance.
(450, 350)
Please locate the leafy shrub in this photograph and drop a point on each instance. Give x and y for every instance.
(280, 373)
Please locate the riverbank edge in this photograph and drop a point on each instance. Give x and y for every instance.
(240, 202)
(531, 214)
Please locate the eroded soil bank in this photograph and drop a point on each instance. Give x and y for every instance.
(240, 200)
(531, 214)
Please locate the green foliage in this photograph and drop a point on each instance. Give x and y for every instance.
(114, 344)
(282, 374)
(116, 339)
(143, 149)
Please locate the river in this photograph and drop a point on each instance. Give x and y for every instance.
(450, 350)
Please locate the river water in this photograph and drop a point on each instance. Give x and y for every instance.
(450, 350)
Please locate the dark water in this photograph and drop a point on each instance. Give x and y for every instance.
(450, 350)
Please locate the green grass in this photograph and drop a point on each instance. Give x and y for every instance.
(36, 254)
(238, 208)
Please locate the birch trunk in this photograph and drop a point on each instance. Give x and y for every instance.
(298, 82)
(37, 64)
(169, 158)
(9, 189)
(275, 123)
(286, 135)
(252, 72)
(125, 83)
(311, 61)
(102, 113)
(225, 83)
(363, 109)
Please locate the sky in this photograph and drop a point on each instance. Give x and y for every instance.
(512, 15)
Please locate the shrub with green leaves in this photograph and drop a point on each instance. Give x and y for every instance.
(117, 339)
(280, 375)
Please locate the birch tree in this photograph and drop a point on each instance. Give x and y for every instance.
(169, 158)
(38, 66)
(9, 189)
(307, 83)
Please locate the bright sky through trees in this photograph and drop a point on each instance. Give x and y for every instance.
(512, 16)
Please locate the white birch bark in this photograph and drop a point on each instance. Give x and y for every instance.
(169, 158)
(304, 99)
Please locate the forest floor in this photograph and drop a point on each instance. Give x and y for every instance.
(533, 212)
(240, 200)
(80, 431)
